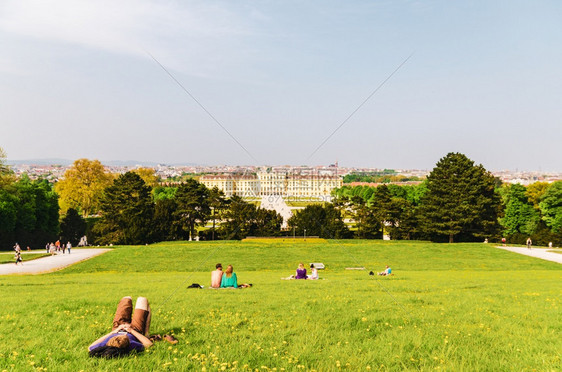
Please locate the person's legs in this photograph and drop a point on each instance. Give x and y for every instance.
(141, 316)
(123, 312)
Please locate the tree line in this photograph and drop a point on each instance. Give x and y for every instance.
(459, 201)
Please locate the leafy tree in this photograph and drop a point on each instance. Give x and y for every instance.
(238, 219)
(323, 220)
(28, 213)
(193, 207)
(164, 192)
(127, 212)
(460, 201)
(266, 223)
(535, 191)
(520, 216)
(148, 175)
(367, 223)
(403, 219)
(8, 217)
(72, 227)
(82, 186)
(551, 206)
(6, 175)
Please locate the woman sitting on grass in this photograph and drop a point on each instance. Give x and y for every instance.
(127, 334)
(313, 273)
(229, 279)
(301, 272)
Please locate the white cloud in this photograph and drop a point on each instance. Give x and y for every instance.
(182, 34)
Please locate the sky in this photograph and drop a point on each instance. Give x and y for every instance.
(382, 84)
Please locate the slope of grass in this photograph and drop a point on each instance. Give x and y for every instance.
(449, 307)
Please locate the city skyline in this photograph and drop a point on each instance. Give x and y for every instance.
(369, 84)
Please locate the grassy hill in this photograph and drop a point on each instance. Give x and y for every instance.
(449, 307)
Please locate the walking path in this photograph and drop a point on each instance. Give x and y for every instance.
(51, 263)
(536, 252)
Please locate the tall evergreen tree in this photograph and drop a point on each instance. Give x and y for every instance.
(166, 223)
(460, 202)
(72, 227)
(217, 203)
(127, 212)
(193, 207)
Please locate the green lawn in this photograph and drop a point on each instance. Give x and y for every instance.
(9, 257)
(456, 307)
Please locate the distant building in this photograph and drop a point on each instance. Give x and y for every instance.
(286, 184)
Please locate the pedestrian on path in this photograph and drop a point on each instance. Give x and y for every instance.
(68, 246)
(529, 243)
(18, 258)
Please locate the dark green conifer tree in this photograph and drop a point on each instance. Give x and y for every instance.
(461, 202)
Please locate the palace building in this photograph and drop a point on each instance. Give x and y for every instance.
(286, 184)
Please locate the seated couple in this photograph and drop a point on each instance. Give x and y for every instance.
(226, 279)
(301, 273)
(128, 332)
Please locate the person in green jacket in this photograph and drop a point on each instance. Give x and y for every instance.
(229, 279)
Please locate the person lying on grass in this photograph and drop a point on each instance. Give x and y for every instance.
(229, 279)
(127, 334)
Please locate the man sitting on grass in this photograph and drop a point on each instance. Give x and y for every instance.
(216, 276)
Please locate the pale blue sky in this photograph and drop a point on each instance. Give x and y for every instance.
(485, 80)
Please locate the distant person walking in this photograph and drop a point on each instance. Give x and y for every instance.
(52, 249)
(68, 246)
(503, 241)
(529, 243)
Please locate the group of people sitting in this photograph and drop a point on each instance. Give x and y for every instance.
(302, 274)
(226, 279)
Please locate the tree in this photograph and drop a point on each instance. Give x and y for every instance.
(520, 216)
(217, 203)
(460, 201)
(148, 175)
(367, 223)
(28, 213)
(127, 212)
(166, 223)
(381, 204)
(193, 208)
(238, 219)
(82, 186)
(72, 227)
(551, 206)
(535, 191)
(6, 175)
(323, 220)
(266, 223)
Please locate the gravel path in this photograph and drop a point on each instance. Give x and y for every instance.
(537, 253)
(51, 263)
